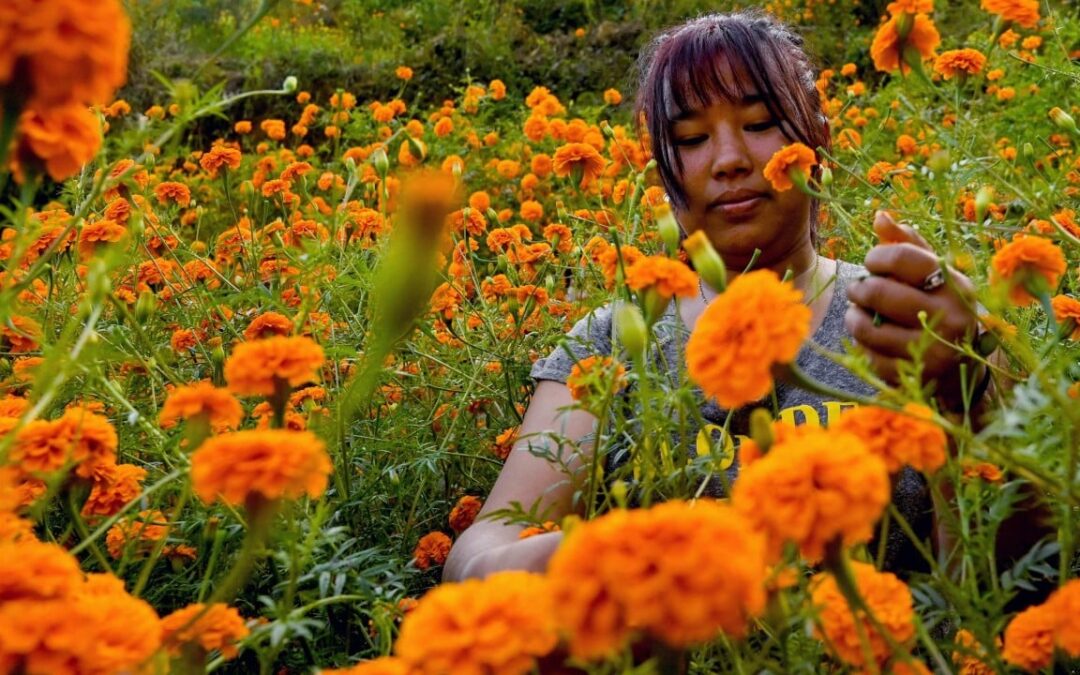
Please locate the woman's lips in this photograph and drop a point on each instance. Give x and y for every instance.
(738, 209)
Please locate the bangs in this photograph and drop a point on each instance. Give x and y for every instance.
(703, 70)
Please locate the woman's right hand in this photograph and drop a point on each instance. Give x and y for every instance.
(531, 554)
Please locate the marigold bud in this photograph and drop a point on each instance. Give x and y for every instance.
(144, 307)
(707, 262)
(1063, 120)
(983, 199)
(668, 227)
(380, 161)
(290, 84)
(631, 329)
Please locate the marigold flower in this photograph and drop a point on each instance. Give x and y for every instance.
(464, 513)
(612, 97)
(68, 54)
(215, 627)
(177, 193)
(1022, 12)
(899, 438)
(1029, 637)
(595, 376)
(888, 599)
(732, 349)
(114, 487)
(141, 532)
(60, 138)
(605, 587)
(790, 161)
(275, 129)
(219, 157)
(578, 159)
(813, 486)
(432, 549)
(1025, 260)
(968, 61)
(501, 624)
(242, 127)
(22, 334)
(256, 368)
(970, 657)
(217, 406)
(269, 463)
(910, 7)
(35, 570)
(669, 278)
(887, 50)
(403, 73)
(97, 234)
(1066, 602)
(1067, 309)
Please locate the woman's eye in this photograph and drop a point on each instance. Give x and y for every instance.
(689, 140)
(761, 126)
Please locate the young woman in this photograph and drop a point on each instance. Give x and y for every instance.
(721, 94)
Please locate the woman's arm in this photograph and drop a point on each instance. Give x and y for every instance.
(489, 545)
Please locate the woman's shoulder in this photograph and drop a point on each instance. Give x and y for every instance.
(591, 335)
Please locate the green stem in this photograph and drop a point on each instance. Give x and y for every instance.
(260, 517)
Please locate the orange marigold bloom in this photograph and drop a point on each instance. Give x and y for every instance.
(97, 234)
(970, 655)
(403, 73)
(1066, 602)
(464, 513)
(60, 139)
(275, 129)
(531, 211)
(911, 7)
(1022, 12)
(669, 278)
(813, 486)
(791, 160)
(216, 406)
(256, 368)
(1067, 309)
(268, 324)
(969, 61)
(219, 157)
(268, 463)
(899, 438)
(612, 97)
(595, 376)
(22, 334)
(732, 351)
(1024, 260)
(1029, 637)
(217, 626)
(114, 487)
(67, 54)
(141, 532)
(177, 193)
(33, 570)
(578, 159)
(887, 49)
(501, 624)
(888, 598)
(605, 588)
(432, 549)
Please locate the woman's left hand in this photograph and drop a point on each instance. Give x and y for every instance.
(898, 290)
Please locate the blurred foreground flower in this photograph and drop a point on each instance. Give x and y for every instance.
(502, 624)
(616, 575)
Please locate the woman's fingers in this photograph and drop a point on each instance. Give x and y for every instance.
(887, 339)
(889, 231)
(896, 301)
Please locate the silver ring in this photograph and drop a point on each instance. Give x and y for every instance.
(933, 281)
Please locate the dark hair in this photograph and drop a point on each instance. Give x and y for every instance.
(680, 71)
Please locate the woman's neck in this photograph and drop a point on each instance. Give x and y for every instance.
(801, 266)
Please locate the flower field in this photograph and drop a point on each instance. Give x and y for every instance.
(265, 349)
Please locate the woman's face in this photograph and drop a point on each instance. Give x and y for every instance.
(724, 148)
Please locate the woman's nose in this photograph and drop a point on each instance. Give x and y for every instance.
(731, 157)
